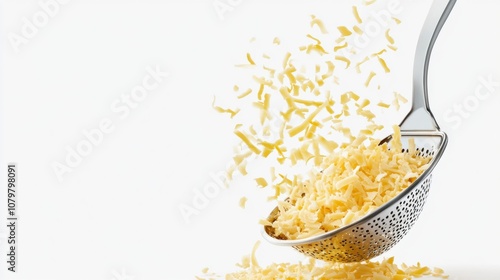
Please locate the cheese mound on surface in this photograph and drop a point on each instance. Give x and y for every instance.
(348, 185)
(313, 269)
(371, 270)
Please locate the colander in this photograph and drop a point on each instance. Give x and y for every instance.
(380, 230)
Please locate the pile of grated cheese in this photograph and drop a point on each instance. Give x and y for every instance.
(348, 185)
(313, 269)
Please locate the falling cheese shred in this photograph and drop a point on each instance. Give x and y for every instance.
(356, 14)
(358, 65)
(369, 79)
(317, 22)
(243, 202)
(358, 30)
(344, 31)
(388, 37)
(261, 182)
(383, 64)
(249, 58)
(224, 110)
(344, 59)
(245, 93)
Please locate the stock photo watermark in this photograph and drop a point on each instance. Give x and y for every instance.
(31, 26)
(120, 107)
(374, 27)
(222, 7)
(202, 197)
(121, 275)
(464, 109)
(12, 218)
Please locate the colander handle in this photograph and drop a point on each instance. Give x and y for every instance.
(420, 116)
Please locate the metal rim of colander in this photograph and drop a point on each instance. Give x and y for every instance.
(313, 239)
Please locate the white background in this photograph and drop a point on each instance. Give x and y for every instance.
(116, 214)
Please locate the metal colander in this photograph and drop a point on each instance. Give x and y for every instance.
(379, 231)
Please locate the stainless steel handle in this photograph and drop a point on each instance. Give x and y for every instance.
(420, 116)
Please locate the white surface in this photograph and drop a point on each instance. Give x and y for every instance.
(116, 215)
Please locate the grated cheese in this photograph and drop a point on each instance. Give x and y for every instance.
(369, 2)
(369, 79)
(356, 14)
(358, 30)
(344, 31)
(339, 47)
(261, 182)
(383, 105)
(398, 98)
(317, 22)
(344, 59)
(243, 202)
(358, 65)
(312, 269)
(349, 183)
(357, 175)
(224, 110)
(383, 64)
(388, 37)
(249, 58)
(245, 93)
(392, 47)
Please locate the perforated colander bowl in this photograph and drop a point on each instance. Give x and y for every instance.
(380, 230)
